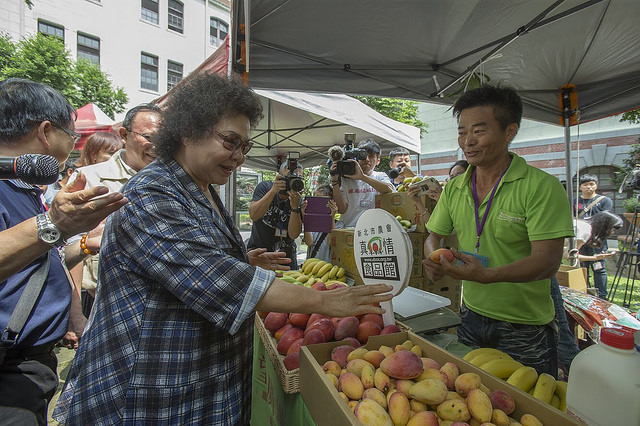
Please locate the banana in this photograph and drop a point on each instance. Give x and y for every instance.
(308, 268)
(317, 266)
(555, 401)
(342, 279)
(524, 378)
(478, 351)
(311, 281)
(333, 271)
(288, 279)
(545, 387)
(302, 278)
(340, 272)
(561, 391)
(486, 357)
(325, 278)
(293, 274)
(501, 367)
(324, 269)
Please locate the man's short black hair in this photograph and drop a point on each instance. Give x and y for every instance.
(25, 104)
(588, 178)
(131, 114)
(398, 151)
(507, 105)
(370, 146)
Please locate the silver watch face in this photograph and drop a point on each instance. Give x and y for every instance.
(50, 236)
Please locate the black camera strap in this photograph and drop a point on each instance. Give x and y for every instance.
(316, 245)
(590, 206)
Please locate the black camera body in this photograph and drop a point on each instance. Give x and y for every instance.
(292, 179)
(395, 172)
(631, 181)
(350, 153)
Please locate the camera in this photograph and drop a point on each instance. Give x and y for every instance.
(349, 153)
(631, 180)
(292, 179)
(395, 172)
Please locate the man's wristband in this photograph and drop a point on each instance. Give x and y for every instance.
(298, 210)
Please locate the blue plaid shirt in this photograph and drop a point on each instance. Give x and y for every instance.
(170, 338)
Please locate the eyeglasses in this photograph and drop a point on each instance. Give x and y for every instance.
(234, 142)
(75, 136)
(144, 135)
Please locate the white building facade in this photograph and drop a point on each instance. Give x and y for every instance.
(145, 46)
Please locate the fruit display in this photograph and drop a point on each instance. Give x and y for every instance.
(315, 270)
(406, 223)
(542, 386)
(403, 187)
(402, 386)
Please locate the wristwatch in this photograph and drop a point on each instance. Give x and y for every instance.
(298, 210)
(48, 231)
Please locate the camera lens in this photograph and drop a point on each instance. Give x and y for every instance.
(394, 173)
(297, 184)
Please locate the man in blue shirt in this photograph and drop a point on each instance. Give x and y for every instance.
(36, 119)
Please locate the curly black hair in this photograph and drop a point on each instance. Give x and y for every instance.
(601, 226)
(197, 105)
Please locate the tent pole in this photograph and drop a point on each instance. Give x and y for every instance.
(567, 112)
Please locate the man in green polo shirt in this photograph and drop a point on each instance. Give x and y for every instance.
(511, 220)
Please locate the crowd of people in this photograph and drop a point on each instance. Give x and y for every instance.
(134, 238)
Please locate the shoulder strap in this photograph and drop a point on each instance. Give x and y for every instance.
(25, 306)
(591, 204)
(316, 245)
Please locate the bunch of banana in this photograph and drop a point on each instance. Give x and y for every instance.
(543, 387)
(404, 186)
(314, 270)
(406, 224)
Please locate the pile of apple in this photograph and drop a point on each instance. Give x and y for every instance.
(293, 330)
(399, 386)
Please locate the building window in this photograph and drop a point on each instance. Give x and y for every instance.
(150, 11)
(176, 13)
(89, 48)
(149, 72)
(218, 31)
(174, 74)
(51, 29)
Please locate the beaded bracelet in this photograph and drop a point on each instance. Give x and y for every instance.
(83, 245)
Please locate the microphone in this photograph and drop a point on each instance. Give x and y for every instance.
(36, 169)
(336, 153)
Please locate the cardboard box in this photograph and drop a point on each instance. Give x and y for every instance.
(399, 204)
(328, 408)
(417, 242)
(445, 287)
(573, 277)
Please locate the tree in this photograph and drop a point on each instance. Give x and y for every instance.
(396, 109)
(44, 59)
(632, 116)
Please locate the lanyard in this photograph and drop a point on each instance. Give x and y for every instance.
(480, 225)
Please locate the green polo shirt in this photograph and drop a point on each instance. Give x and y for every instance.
(529, 205)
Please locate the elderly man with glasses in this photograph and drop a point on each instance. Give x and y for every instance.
(138, 126)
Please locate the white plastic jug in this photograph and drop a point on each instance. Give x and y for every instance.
(604, 381)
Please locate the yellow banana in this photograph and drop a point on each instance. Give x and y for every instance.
(302, 278)
(333, 271)
(545, 387)
(340, 272)
(311, 281)
(293, 274)
(342, 279)
(324, 269)
(479, 351)
(501, 367)
(288, 279)
(561, 391)
(555, 401)
(317, 266)
(524, 378)
(324, 278)
(310, 266)
(486, 357)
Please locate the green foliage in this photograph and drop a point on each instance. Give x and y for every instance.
(629, 163)
(44, 59)
(632, 116)
(630, 204)
(396, 109)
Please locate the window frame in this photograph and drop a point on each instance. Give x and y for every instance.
(173, 73)
(151, 14)
(144, 66)
(49, 24)
(219, 39)
(177, 15)
(87, 50)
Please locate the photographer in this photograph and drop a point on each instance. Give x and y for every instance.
(399, 165)
(357, 192)
(276, 214)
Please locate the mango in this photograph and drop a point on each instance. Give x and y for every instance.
(333, 379)
(530, 420)
(366, 375)
(351, 385)
(465, 382)
(352, 405)
(374, 357)
(451, 372)
(430, 363)
(312, 337)
(371, 413)
(347, 327)
(357, 353)
(455, 395)
(399, 409)
(376, 395)
(479, 405)
(339, 354)
(417, 406)
(435, 255)
(344, 397)
(332, 367)
(424, 418)
(402, 365)
(381, 381)
(367, 329)
(292, 361)
(386, 350)
(453, 409)
(499, 417)
(502, 400)
(404, 385)
(432, 373)
(289, 336)
(429, 391)
(416, 350)
(274, 320)
(355, 366)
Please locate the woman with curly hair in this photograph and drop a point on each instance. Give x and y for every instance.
(171, 335)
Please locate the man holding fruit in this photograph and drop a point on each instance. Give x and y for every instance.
(511, 220)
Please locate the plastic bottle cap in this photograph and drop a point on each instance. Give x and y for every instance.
(616, 338)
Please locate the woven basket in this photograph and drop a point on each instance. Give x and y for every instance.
(290, 380)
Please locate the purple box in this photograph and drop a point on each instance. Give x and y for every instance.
(317, 217)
